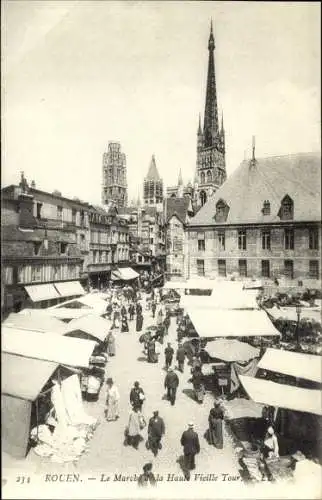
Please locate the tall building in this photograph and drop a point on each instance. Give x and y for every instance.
(153, 186)
(114, 176)
(211, 164)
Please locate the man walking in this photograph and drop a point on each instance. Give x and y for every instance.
(171, 383)
(156, 429)
(191, 446)
(137, 396)
(181, 354)
(169, 352)
(153, 307)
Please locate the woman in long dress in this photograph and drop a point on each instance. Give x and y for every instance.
(134, 428)
(124, 324)
(112, 401)
(110, 344)
(139, 322)
(215, 420)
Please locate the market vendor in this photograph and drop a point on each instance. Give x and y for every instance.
(270, 449)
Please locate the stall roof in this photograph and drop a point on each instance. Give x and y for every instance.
(200, 284)
(88, 303)
(124, 273)
(24, 377)
(243, 300)
(65, 313)
(290, 313)
(69, 288)
(232, 323)
(232, 295)
(92, 324)
(36, 320)
(230, 350)
(49, 347)
(45, 291)
(283, 396)
(297, 364)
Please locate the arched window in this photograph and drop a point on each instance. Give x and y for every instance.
(202, 177)
(287, 208)
(203, 198)
(209, 176)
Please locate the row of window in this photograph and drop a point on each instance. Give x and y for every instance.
(313, 240)
(103, 237)
(106, 256)
(40, 273)
(265, 268)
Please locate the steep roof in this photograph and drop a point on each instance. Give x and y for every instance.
(153, 174)
(271, 179)
(178, 207)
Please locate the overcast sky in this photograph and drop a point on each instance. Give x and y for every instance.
(77, 75)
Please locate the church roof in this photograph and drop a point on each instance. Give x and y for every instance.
(271, 179)
(153, 174)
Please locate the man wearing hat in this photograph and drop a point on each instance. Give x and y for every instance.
(147, 478)
(137, 396)
(191, 446)
(181, 355)
(168, 352)
(156, 429)
(171, 383)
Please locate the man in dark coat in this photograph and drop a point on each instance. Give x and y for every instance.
(181, 354)
(153, 307)
(191, 446)
(169, 352)
(147, 478)
(156, 429)
(138, 308)
(171, 383)
(139, 322)
(166, 323)
(137, 396)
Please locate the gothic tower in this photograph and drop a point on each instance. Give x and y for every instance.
(114, 176)
(153, 185)
(211, 164)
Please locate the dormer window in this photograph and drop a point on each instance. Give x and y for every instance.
(222, 210)
(266, 210)
(286, 210)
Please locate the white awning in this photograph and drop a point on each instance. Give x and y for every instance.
(283, 396)
(175, 285)
(65, 313)
(231, 295)
(36, 320)
(42, 292)
(70, 288)
(49, 347)
(290, 313)
(230, 350)
(297, 364)
(200, 284)
(124, 273)
(91, 324)
(24, 377)
(232, 323)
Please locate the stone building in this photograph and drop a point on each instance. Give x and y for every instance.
(114, 187)
(265, 221)
(153, 186)
(211, 163)
(49, 239)
(177, 212)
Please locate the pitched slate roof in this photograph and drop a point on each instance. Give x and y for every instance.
(153, 174)
(272, 178)
(178, 207)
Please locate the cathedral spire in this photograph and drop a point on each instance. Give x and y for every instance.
(180, 181)
(211, 127)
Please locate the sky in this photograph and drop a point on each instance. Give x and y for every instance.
(78, 74)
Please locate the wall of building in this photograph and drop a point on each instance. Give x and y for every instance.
(175, 245)
(254, 253)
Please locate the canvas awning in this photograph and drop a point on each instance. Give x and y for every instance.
(37, 293)
(289, 313)
(24, 377)
(65, 313)
(230, 350)
(124, 274)
(244, 300)
(283, 396)
(36, 320)
(48, 347)
(200, 284)
(91, 324)
(297, 364)
(232, 295)
(231, 323)
(69, 288)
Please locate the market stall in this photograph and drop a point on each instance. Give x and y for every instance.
(36, 320)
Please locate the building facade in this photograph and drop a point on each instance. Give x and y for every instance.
(114, 186)
(48, 239)
(153, 186)
(264, 222)
(210, 171)
(177, 212)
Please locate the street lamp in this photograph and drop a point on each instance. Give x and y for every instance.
(298, 312)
